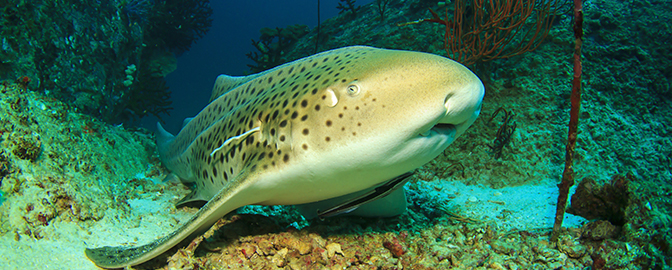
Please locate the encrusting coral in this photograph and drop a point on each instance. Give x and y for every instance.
(27, 148)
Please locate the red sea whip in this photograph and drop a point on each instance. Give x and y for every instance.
(568, 174)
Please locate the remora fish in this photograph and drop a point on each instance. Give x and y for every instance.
(332, 124)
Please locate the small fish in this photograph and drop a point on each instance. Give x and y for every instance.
(335, 123)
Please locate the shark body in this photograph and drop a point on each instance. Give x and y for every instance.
(328, 125)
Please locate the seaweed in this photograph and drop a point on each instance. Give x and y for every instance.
(503, 135)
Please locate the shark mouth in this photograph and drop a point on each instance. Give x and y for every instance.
(440, 128)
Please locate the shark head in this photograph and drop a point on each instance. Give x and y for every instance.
(398, 109)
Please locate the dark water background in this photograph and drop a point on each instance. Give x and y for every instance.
(223, 49)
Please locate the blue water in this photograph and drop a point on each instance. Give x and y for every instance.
(223, 49)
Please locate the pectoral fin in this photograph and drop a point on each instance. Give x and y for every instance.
(227, 200)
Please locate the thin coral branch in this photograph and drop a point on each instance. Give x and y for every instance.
(484, 30)
(575, 99)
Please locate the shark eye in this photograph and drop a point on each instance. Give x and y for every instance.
(352, 90)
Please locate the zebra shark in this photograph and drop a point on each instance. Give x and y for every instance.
(341, 122)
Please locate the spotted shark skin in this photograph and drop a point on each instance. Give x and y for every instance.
(324, 126)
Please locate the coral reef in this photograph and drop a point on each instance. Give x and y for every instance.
(148, 94)
(536, 86)
(64, 166)
(482, 31)
(92, 182)
(4, 165)
(79, 53)
(383, 6)
(567, 180)
(136, 11)
(259, 242)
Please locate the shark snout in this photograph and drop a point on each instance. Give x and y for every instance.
(463, 105)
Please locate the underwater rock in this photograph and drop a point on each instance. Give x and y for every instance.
(504, 247)
(571, 246)
(607, 201)
(600, 230)
(395, 247)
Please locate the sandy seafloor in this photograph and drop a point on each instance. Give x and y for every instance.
(531, 208)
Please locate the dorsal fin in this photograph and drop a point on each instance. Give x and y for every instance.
(224, 83)
(186, 121)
